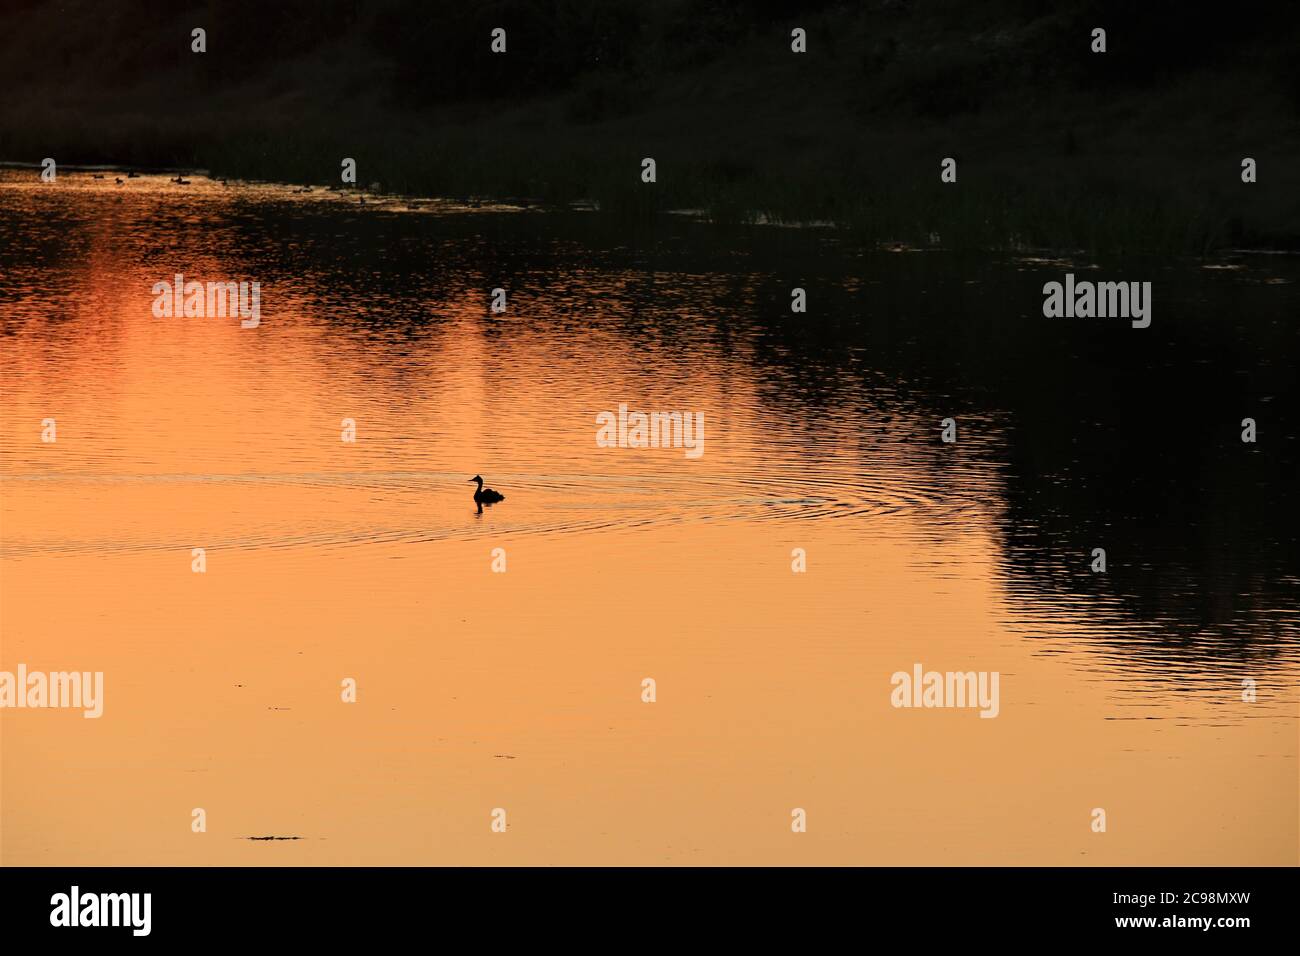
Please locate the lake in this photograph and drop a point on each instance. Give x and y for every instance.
(825, 538)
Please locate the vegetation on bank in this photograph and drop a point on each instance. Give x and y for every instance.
(1134, 150)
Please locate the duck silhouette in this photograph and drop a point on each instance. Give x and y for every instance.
(485, 496)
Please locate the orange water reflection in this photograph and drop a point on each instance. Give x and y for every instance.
(328, 560)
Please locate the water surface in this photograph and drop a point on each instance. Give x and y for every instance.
(329, 560)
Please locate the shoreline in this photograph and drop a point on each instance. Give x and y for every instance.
(753, 217)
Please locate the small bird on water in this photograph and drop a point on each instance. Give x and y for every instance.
(485, 496)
